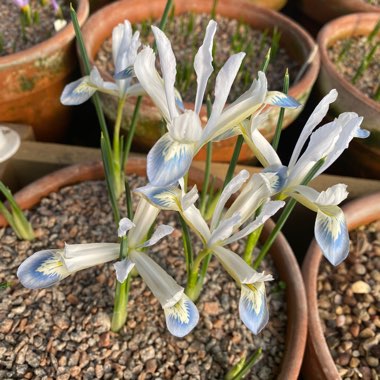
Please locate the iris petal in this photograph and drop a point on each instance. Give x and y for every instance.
(168, 161)
(123, 268)
(77, 92)
(166, 198)
(332, 235)
(182, 317)
(42, 269)
(253, 307)
(277, 98)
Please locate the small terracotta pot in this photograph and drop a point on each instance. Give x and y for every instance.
(350, 98)
(318, 363)
(296, 40)
(276, 5)
(32, 81)
(325, 10)
(281, 252)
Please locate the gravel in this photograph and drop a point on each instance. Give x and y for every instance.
(356, 49)
(349, 306)
(63, 332)
(12, 39)
(231, 37)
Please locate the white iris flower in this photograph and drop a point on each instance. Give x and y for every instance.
(328, 141)
(170, 158)
(124, 51)
(226, 229)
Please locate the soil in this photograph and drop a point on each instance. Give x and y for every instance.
(63, 332)
(231, 37)
(347, 56)
(12, 37)
(349, 306)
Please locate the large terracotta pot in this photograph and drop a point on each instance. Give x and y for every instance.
(281, 252)
(296, 40)
(318, 363)
(350, 98)
(270, 4)
(325, 10)
(32, 81)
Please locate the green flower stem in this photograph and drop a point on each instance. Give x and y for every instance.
(117, 158)
(132, 129)
(276, 138)
(121, 294)
(284, 215)
(164, 18)
(234, 159)
(252, 240)
(193, 286)
(206, 179)
(187, 246)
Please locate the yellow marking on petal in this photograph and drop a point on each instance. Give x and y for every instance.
(180, 311)
(83, 87)
(253, 293)
(53, 266)
(174, 149)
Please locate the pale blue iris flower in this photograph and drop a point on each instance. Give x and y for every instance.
(226, 229)
(124, 51)
(46, 268)
(328, 142)
(170, 158)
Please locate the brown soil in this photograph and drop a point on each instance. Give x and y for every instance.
(349, 306)
(347, 55)
(186, 34)
(12, 37)
(63, 332)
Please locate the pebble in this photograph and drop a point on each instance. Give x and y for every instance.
(361, 287)
(348, 301)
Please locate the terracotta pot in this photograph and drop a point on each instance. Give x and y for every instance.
(325, 10)
(318, 363)
(281, 252)
(32, 81)
(350, 98)
(296, 41)
(270, 4)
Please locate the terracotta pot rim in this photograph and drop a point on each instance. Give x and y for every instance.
(302, 36)
(358, 212)
(286, 263)
(51, 44)
(328, 33)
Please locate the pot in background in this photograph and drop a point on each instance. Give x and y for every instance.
(350, 98)
(326, 10)
(32, 81)
(318, 363)
(296, 41)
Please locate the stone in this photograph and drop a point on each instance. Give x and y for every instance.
(151, 365)
(360, 287)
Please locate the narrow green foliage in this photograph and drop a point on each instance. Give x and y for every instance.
(374, 32)
(275, 43)
(277, 134)
(285, 215)
(14, 216)
(36, 17)
(263, 40)
(190, 24)
(365, 63)
(346, 47)
(265, 64)
(213, 9)
(243, 367)
(164, 18)
(1, 43)
(234, 160)
(128, 200)
(187, 246)
(252, 240)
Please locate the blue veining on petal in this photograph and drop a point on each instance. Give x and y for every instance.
(362, 133)
(125, 74)
(276, 98)
(182, 317)
(254, 320)
(41, 270)
(162, 197)
(332, 236)
(168, 161)
(77, 92)
(281, 173)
